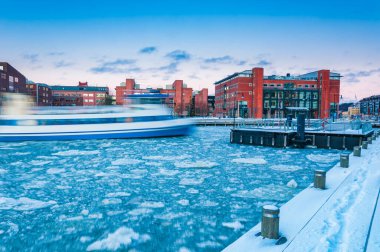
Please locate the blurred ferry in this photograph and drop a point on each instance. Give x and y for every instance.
(18, 123)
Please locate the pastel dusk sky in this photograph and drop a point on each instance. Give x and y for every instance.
(200, 42)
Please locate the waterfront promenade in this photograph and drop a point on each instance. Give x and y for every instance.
(344, 217)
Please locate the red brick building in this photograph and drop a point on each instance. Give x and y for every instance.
(251, 94)
(201, 106)
(180, 95)
(41, 93)
(11, 80)
(81, 95)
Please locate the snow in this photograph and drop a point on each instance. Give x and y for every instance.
(335, 219)
(270, 207)
(257, 160)
(121, 238)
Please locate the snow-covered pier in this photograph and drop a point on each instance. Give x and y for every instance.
(343, 217)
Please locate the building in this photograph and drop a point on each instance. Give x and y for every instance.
(252, 94)
(81, 95)
(179, 95)
(11, 80)
(201, 103)
(370, 106)
(41, 93)
(211, 104)
(353, 111)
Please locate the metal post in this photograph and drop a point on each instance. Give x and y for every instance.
(270, 222)
(344, 160)
(320, 179)
(357, 151)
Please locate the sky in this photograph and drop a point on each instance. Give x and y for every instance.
(200, 42)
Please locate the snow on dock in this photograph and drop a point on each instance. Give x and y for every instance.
(341, 218)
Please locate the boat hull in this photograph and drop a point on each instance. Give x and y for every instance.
(167, 129)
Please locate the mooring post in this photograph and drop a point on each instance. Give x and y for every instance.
(320, 179)
(365, 145)
(374, 136)
(369, 140)
(270, 222)
(344, 160)
(357, 151)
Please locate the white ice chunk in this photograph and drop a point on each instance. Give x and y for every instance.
(292, 184)
(256, 160)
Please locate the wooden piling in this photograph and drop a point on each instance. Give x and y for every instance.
(365, 145)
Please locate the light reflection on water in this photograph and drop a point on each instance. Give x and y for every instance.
(165, 194)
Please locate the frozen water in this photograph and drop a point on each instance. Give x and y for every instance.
(196, 193)
(292, 184)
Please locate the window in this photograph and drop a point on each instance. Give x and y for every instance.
(85, 100)
(91, 100)
(16, 79)
(91, 95)
(306, 86)
(3, 76)
(11, 79)
(2, 68)
(250, 84)
(250, 92)
(85, 95)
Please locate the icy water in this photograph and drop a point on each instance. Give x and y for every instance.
(196, 193)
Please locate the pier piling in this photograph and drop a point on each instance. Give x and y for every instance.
(344, 160)
(270, 222)
(357, 151)
(369, 140)
(320, 179)
(365, 145)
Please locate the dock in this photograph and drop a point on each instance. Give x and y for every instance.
(343, 217)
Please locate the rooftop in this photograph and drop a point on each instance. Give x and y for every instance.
(78, 88)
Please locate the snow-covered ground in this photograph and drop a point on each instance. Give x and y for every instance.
(336, 219)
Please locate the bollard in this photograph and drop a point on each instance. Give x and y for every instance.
(320, 179)
(270, 222)
(369, 140)
(365, 145)
(374, 136)
(344, 160)
(357, 151)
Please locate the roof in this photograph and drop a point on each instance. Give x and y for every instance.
(79, 88)
(245, 73)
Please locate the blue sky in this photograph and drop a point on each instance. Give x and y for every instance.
(156, 42)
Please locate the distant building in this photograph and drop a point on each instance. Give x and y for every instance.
(11, 80)
(370, 105)
(81, 95)
(353, 111)
(251, 94)
(201, 103)
(211, 104)
(42, 97)
(179, 95)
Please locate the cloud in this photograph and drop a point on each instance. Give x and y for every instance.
(169, 69)
(354, 76)
(56, 53)
(224, 60)
(148, 50)
(62, 63)
(117, 66)
(31, 57)
(264, 63)
(179, 55)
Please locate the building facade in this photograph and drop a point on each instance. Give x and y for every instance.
(11, 80)
(179, 95)
(81, 95)
(41, 93)
(201, 103)
(370, 106)
(252, 94)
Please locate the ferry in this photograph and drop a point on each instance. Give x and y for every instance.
(71, 123)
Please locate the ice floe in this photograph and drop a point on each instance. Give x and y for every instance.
(24, 204)
(152, 204)
(326, 158)
(126, 161)
(76, 153)
(3, 171)
(167, 158)
(236, 225)
(292, 184)
(121, 238)
(258, 161)
(111, 201)
(183, 202)
(140, 211)
(55, 170)
(191, 181)
(196, 164)
(287, 168)
(118, 194)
